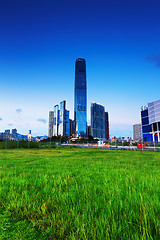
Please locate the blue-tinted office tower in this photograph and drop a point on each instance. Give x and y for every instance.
(80, 98)
(97, 121)
(150, 117)
(146, 127)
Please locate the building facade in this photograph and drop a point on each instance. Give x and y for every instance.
(56, 120)
(146, 127)
(137, 132)
(60, 120)
(89, 131)
(154, 119)
(97, 121)
(150, 118)
(80, 98)
(50, 125)
(106, 125)
(63, 128)
(71, 128)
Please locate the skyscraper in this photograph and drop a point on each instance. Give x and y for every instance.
(56, 120)
(106, 125)
(150, 118)
(63, 128)
(71, 127)
(146, 127)
(80, 97)
(59, 121)
(50, 127)
(97, 121)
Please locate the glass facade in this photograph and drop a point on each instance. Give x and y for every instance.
(56, 120)
(97, 121)
(146, 127)
(61, 120)
(154, 111)
(80, 97)
(66, 123)
(61, 127)
(71, 127)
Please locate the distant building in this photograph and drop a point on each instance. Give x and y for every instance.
(29, 137)
(71, 127)
(80, 98)
(56, 120)
(50, 125)
(114, 139)
(14, 133)
(137, 132)
(63, 128)
(97, 121)
(106, 125)
(23, 137)
(146, 127)
(89, 131)
(2, 135)
(7, 134)
(61, 122)
(150, 118)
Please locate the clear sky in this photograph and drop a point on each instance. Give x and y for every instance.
(40, 41)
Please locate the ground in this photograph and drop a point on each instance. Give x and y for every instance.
(73, 193)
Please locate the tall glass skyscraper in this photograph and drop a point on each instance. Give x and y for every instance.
(63, 128)
(97, 121)
(56, 120)
(150, 118)
(80, 98)
(106, 125)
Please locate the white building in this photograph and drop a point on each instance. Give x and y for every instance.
(137, 132)
(50, 127)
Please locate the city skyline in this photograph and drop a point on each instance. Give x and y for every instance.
(40, 42)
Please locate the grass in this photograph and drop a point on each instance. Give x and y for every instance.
(79, 194)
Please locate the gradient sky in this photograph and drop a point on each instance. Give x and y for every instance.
(40, 41)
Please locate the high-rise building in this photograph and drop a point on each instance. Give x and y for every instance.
(50, 127)
(97, 121)
(106, 125)
(137, 132)
(71, 127)
(14, 132)
(80, 97)
(150, 118)
(63, 128)
(7, 134)
(88, 130)
(60, 121)
(56, 120)
(67, 125)
(146, 127)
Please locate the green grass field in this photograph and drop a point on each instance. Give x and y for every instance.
(79, 194)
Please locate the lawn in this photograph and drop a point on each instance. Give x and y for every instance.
(79, 194)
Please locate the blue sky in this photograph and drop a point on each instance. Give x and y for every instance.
(40, 41)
